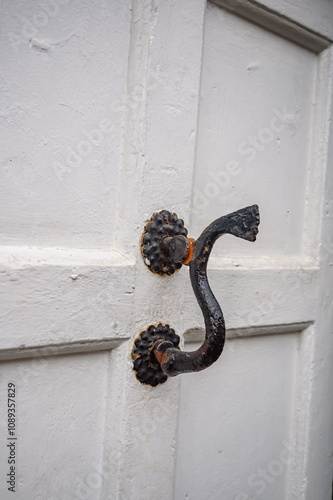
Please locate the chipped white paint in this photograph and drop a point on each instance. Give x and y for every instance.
(102, 124)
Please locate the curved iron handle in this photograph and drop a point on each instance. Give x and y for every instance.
(156, 353)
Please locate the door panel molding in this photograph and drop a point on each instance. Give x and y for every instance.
(52, 350)
(276, 22)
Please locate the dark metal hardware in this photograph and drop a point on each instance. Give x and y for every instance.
(165, 247)
(164, 231)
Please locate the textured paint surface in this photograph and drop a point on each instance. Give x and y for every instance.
(73, 276)
(265, 416)
(60, 416)
(253, 399)
(62, 85)
(76, 191)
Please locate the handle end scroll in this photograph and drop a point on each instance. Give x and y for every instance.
(244, 223)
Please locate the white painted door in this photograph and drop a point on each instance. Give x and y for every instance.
(111, 111)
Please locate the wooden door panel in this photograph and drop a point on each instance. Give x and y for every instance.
(255, 133)
(62, 103)
(59, 425)
(249, 73)
(73, 280)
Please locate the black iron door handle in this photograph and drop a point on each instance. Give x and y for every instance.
(165, 247)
